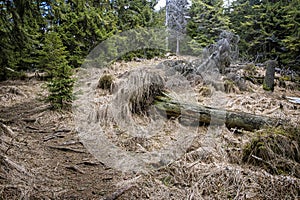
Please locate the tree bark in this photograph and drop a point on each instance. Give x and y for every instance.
(270, 74)
(199, 115)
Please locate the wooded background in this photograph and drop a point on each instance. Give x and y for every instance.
(47, 34)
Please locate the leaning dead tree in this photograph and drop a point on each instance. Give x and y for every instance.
(215, 59)
(221, 54)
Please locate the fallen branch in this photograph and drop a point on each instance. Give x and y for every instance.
(117, 193)
(198, 114)
(38, 109)
(90, 163)
(53, 136)
(16, 166)
(29, 119)
(294, 99)
(7, 130)
(66, 149)
(5, 120)
(75, 168)
(63, 130)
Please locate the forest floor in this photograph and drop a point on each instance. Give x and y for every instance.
(42, 156)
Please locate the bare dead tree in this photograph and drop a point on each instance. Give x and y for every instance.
(176, 14)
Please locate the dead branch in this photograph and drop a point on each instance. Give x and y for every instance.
(5, 120)
(50, 137)
(117, 193)
(90, 163)
(66, 149)
(28, 119)
(75, 168)
(63, 130)
(7, 130)
(39, 109)
(16, 166)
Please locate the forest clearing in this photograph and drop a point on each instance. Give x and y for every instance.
(42, 156)
(122, 99)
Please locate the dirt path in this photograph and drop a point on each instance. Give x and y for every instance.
(43, 157)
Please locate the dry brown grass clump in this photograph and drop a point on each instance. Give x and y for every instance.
(198, 180)
(137, 92)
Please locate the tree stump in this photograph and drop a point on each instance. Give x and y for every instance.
(270, 74)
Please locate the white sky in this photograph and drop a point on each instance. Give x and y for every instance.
(162, 3)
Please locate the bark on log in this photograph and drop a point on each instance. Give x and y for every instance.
(270, 74)
(198, 114)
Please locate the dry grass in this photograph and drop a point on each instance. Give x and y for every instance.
(210, 168)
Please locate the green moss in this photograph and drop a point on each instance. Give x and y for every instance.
(205, 91)
(167, 180)
(276, 150)
(229, 86)
(265, 87)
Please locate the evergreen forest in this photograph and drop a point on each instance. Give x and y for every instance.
(29, 29)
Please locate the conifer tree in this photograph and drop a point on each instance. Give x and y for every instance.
(206, 23)
(82, 25)
(134, 13)
(291, 25)
(60, 83)
(268, 29)
(21, 30)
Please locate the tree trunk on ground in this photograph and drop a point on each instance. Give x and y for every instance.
(270, 74)
(198, 114)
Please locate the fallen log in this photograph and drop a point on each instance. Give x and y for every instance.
(199, 114)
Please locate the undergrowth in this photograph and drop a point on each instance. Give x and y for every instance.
(277, 150)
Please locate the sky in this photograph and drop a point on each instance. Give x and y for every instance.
(162, 3)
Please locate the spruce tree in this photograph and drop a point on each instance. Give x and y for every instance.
(82, 25)
(268, 30)
(291, 25)
(206, 23)
(60, 84)
(21, 31)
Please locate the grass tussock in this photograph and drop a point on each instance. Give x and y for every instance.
(277, 150)
(137, 93)
(106, 82)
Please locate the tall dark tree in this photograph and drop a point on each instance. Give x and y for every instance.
(134, 13)
(268, 30)
(82, 24)
(21, 30)
(207, 22)
(291, 35)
